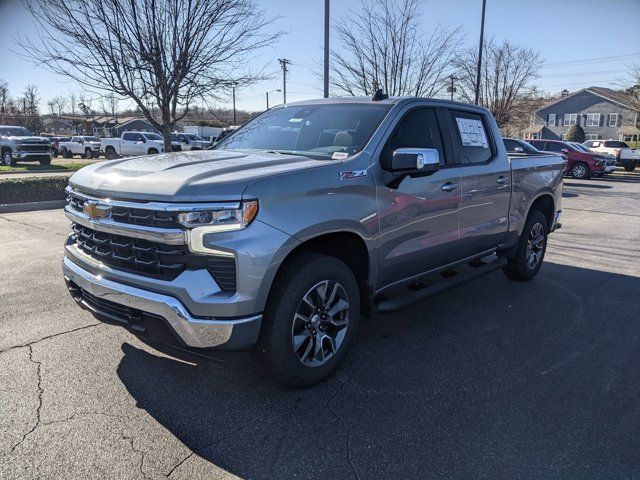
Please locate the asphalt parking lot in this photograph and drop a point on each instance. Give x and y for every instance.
(495, 379)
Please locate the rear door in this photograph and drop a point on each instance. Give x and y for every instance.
(419, 218)
(486, 182)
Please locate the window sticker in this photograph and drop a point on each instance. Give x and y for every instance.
(472, 133)
(295, 120)
(339, 155)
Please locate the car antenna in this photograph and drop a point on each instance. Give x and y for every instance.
(379, 96)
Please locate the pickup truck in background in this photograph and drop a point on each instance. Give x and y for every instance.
(581, 164)
(86, 146)
(19, 144)
(303, 220)
(627, 157)
(132, 143)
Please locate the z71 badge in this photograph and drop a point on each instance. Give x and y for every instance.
(353, 174)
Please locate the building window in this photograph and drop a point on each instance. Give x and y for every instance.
(551, 120)
(613, 119)
(591, 136)
(593, 120)
(570, 119)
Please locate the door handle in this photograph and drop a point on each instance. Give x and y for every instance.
(501, 180)
(448, 187)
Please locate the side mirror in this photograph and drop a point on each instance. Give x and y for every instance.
(518, 150)
(415, 161)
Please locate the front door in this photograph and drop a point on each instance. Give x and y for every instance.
(486, 183)
(419, 218)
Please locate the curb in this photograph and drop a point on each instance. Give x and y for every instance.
(32, 206)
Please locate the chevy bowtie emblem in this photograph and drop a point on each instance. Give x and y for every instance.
(95, 210)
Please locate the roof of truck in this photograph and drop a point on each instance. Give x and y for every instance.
(390, 100)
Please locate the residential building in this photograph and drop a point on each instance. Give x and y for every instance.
(603, 113)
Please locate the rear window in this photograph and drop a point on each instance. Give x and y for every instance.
(616, 145)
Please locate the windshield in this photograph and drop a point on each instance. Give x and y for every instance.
(14, 132)
(152, 136)
(318, 131)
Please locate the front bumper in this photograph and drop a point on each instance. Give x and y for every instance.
(146, 313)
(20, 155)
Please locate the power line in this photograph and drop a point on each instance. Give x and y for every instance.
(587, 61)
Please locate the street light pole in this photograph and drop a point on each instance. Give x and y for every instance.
(484, 5)
(233, 89)
(326, 48)
(278, 90)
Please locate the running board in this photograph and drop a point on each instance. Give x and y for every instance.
(439, 283)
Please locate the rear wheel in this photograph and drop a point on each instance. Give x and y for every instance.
(629, 167)
(580, 170)
(87, 153)
(310, 320)
(526, 262)
(110, 153)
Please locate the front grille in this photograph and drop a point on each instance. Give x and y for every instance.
(152, 259)
(34, 147)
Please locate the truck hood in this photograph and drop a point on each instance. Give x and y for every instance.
(28, 139)
(209, 175)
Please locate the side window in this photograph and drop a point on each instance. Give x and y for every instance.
(417, 129)
(128, 136)
(470, 137)
(510, 145)
(554, 147)
(138, 137)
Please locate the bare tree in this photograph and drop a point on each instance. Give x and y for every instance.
(73, 103)
(31, 100)
(630, 84)
(60, 103)
(172, 51)
(505, 81)
(4, 96)
(381, 46)
(52, 107)
(84, 104)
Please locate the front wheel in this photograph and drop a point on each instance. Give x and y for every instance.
(310, 319)
(580, 170)
(526, 262)
(45, 161)
(152, 151)
(7, 159)
(629, 167)
(88, 154)
(110, 154)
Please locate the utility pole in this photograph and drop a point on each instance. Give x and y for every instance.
(283, 64)
(233, 89)
(278, 90)
(484, 6)
(326, 48)
(451, 87)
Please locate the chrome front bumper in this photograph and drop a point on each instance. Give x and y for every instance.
(194, 332)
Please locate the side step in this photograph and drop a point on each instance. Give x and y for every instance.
(440, 282)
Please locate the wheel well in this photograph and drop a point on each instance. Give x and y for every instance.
(545, 205)
(345, 246)
(110, 147)
(151, 150)
(4, 149)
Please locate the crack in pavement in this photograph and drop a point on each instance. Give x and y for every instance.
(136, 450)
(25, 345)
(40, 392)
(197, 450)
(342, 423)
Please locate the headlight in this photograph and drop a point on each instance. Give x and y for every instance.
(223, 220)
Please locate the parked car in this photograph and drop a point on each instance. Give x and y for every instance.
(517, 146)
(180, 143)
(83, 145)
(302, 220)
(19, 144)
(580, 164)
(132, 143)
(626, 157)
(196, 142)
(55, 144)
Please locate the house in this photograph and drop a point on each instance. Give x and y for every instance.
(603, 113)
(109, 126)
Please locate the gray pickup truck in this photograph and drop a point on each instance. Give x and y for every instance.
(302, 221)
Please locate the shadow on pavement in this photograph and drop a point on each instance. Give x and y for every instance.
(586, 185)
(496, 379)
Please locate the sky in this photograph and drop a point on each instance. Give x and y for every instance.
(583, 42)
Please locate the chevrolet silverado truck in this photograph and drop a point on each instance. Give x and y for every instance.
(303, 220)
(627, 157)
(132, 143)
(19, 144)
(86, 146)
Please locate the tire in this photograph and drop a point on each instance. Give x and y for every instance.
(110, 154)
(66, 153)
(152, 151)
(45, 161)
(88, 154)
(629, 167)
(534, 235)
(7, 159)
(289, 318)
(581, 171)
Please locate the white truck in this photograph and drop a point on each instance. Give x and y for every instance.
(132, 143)
(626, 157)
(86, 146)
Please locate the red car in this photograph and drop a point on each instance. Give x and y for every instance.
(580, 164)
